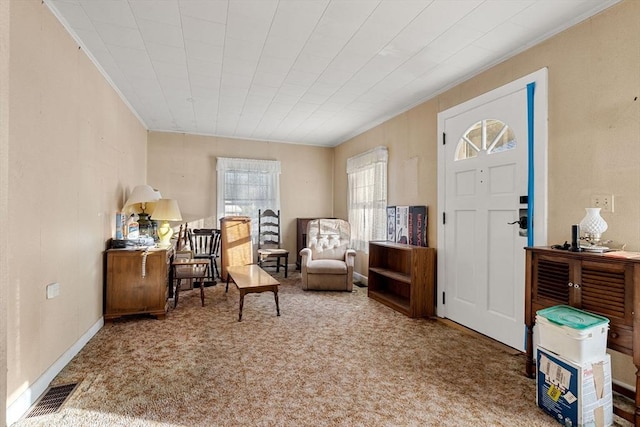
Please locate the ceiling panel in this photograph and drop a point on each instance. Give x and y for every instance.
(300, 71)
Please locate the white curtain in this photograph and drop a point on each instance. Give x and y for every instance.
(367, 197)
(247, 185)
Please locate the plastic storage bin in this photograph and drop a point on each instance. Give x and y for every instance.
(572, 333)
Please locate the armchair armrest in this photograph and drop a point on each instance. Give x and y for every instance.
(350, 257)
(305, 254)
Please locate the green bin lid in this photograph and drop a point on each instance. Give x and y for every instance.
(572, 317)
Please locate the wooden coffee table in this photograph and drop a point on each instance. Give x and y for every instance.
(252, 279)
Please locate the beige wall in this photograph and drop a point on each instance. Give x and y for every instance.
(74, 151)
(4, 194)
(594, 131)
(183, 167)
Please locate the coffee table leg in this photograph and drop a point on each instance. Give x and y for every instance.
(275, 295)
(227, 288)
(241, 304)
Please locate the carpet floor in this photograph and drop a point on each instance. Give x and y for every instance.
(330, 359)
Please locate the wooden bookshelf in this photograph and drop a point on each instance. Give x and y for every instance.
(403, 277)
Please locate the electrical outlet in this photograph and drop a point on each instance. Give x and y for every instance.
(602, 201)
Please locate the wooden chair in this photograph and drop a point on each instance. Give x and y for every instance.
(179, 255)
(269, 241)
(183, 238)
(185, 266)
(205, 244)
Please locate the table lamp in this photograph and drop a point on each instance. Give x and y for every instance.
(166, 210)
(141, 199)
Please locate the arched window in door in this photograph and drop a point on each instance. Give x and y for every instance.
(489, 135)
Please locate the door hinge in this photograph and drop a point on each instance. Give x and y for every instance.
(443, 298)
(444, 138)
(444, 218)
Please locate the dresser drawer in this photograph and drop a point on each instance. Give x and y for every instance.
(620, 338)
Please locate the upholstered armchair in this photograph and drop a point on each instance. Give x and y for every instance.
(327, 262)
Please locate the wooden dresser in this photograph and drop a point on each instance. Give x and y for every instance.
(135, 285)
(236, 247)
(605, 284)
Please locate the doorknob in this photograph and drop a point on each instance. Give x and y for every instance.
(522, 222)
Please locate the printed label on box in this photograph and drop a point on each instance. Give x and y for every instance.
(575, 394)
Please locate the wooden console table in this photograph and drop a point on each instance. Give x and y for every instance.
(605, 284)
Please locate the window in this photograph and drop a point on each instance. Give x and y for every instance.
(247, 185)
(367, 197)
(491, 135)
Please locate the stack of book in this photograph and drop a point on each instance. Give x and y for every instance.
(407, 224)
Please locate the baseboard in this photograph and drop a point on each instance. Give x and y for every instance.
(357, 277)
(22, 404)
(624, 385)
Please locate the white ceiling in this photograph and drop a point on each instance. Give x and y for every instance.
(300, 71)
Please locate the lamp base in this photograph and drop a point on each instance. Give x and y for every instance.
(164, 234)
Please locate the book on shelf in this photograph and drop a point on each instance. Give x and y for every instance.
(418, 225)
(391, 223)
(402, 224)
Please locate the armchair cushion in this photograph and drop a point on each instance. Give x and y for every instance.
(327, 266)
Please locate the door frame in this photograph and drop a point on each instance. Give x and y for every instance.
(539, 172)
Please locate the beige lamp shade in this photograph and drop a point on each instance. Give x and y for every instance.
(166, 210)
(138, 198)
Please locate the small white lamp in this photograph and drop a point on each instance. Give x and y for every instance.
(593, 225)
(166, 210)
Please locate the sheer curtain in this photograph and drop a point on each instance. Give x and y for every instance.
(247, 185)
(367, 197)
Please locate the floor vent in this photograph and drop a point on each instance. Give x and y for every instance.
(51, 401)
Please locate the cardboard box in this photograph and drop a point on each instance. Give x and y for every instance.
(575, 394)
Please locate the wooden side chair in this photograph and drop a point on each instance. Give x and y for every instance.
(269, 251)
(205, 244)
(185, 266)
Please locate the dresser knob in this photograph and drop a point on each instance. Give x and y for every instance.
(614, 335)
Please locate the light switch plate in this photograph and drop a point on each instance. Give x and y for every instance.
(53, 290)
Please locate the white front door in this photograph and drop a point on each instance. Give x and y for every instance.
(485, 174)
